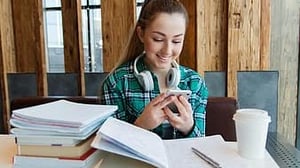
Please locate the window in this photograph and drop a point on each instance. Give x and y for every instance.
(54, 36)
(92, 36)
(139, 4)
(92, 40)
(91, 29)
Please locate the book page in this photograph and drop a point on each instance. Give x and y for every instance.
(64, 112)
(47, 140)
(54, 162)
(36, 133)
(225, 153)
(131, 139)
(104, 145)
(25, 128)
(180, 153)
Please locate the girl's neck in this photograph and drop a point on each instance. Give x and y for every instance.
(161, 77)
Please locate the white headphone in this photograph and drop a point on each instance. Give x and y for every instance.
(145, 77)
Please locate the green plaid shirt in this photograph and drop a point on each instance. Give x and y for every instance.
(122, 88)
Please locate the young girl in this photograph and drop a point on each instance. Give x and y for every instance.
(148, 69)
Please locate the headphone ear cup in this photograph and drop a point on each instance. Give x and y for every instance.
(173, 78)
(145, 79)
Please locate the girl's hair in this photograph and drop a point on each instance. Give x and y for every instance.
(150, 9)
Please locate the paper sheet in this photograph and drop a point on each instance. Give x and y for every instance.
(225, 153)
(65, 112)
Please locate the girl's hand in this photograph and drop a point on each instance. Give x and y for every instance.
(182, 121)
(153, 114)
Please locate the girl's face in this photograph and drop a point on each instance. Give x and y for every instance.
(163, 40)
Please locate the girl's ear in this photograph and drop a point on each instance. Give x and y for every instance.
(140, 33)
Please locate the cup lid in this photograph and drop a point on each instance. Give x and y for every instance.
(251, 113)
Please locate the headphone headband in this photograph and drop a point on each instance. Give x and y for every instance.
(134, 64)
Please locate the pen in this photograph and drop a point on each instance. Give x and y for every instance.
(206, 158)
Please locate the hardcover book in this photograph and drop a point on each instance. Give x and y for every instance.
(88, 160)
(56, 150)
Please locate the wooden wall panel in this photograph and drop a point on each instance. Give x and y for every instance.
(24, 22)
(211, 35)
(118, 18)
(285, 58)
(244, 19)
(29, 40)
(265, 31)
(73, 44)
(7, 56)
(3, 82)
(41, 69)
(7, 39)
(188, 55)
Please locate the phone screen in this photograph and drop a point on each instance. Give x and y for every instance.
(185, 93)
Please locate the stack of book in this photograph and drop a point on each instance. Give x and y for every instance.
(58, 134)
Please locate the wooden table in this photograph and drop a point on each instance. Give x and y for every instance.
(283, 153)
(8, 149)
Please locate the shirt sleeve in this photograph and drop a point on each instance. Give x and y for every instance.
(199, 102)
(111, 94)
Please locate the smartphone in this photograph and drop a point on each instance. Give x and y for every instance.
(185, 93)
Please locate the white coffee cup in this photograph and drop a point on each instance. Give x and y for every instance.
(251, 130)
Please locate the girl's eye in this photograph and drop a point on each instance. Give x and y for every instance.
(177, 41)
(157, 39)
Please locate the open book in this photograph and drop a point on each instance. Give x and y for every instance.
(125, 139)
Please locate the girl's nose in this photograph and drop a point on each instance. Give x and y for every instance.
(166, 49)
